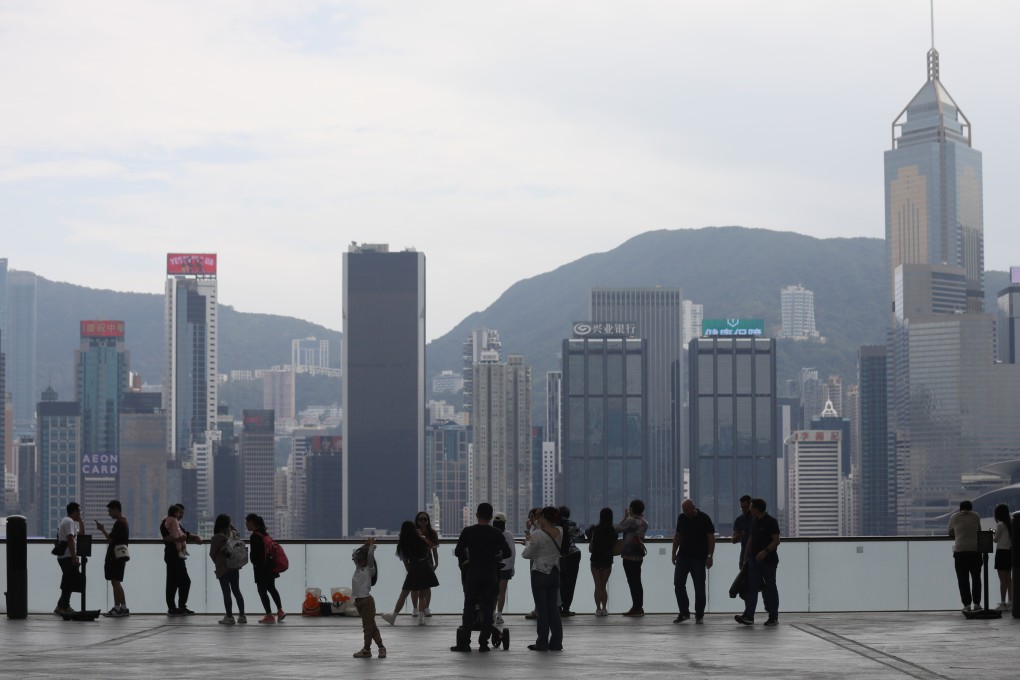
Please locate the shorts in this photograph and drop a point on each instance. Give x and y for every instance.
(506, 574)
(1003, 559)
(113, 570)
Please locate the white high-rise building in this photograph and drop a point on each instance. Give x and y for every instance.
(501, 452)
(693, 316)
(798, 308)
(817, 490)
(189, 374)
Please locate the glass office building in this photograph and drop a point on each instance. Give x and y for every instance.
(877, 471)
(384, 387)
(734, 445)
(604, 426)
(658, 318)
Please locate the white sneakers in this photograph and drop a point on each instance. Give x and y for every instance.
(498, 619)
(601, 612)
(389, 618)
(421, 618)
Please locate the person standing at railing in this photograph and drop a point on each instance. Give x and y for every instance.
(1003, 540)
(70, 578)
(114, 564)
(762, 561)
(633, 527)
(963, 529)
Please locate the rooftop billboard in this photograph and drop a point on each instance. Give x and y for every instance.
(191, 263)
(102, 329)
(731, 327)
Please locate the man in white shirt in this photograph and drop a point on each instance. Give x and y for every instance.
(963, 528)
(70, 578)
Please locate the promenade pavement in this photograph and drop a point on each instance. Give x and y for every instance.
(925, 645)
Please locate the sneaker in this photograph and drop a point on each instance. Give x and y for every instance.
(421, 618)
(428, 613)
(124, 611)
(460, 648)
(363, 654)
(382, 652)
(536, 648)
(414, 612)
(634, 611)
(531, 615)
(498, 619)
(389, 618)
(114, 612)
(227, 620)
(740, 618)
(268, 618)
(61, 611)
(280, 615)
(772, 621)
(680, 618)
(242, 619)
(174, 612)
(184, 611)
(564, 613)
(699, 619)
(483, 646)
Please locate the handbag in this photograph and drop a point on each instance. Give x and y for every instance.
(120, 552)
(58, 548)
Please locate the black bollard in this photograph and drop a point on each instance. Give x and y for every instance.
(17, 567)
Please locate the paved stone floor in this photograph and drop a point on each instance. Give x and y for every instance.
(845, 645)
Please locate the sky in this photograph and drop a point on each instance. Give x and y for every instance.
(502, 139)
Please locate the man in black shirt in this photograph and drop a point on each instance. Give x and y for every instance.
(693, 546)
(479, 551)
(762, 562)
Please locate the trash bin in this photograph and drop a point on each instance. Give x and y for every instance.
(17, 567)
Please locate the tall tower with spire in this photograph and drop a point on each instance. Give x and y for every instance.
(933, 195)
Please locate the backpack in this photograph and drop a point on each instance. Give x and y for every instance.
(276, 559)
(236, 551)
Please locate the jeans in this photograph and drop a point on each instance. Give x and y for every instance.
(696, 569)
(759, 573)
(968, 576)
(632, 568)
(231, 582)
(178, 583)
(569, 566)
(546, 590)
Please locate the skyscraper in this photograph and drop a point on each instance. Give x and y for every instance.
(142, 462)
(482, 343)
(258, 464)
(58, 446)
(798, 312)
(447, 479)
(384, 387)
(6, 457)
(279, 392)
(20, 343)
(604, 427)
(1008, 322)
(189, 378)
(501, 462)
(877, 473)
(734, 446)
(658, 316)
(933, 194)
(101, 377)
(817, 488)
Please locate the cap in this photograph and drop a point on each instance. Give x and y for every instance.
(499, 517)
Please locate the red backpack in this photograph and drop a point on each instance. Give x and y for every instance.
(276, 559)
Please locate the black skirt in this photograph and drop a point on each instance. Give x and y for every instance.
(1003, 559)
(420, 575)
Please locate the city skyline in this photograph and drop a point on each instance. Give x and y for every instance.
(255, 107)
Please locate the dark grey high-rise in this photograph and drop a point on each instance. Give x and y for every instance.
(658, 316)
(384, 387)
(877, 470)
(604, 425)
(734, 445)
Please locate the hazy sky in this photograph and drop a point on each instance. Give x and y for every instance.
(502, 139)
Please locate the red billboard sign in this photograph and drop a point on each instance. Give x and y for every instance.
(102, 329)
(191, 263)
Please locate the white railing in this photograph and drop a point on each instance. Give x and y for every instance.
(820, 575)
